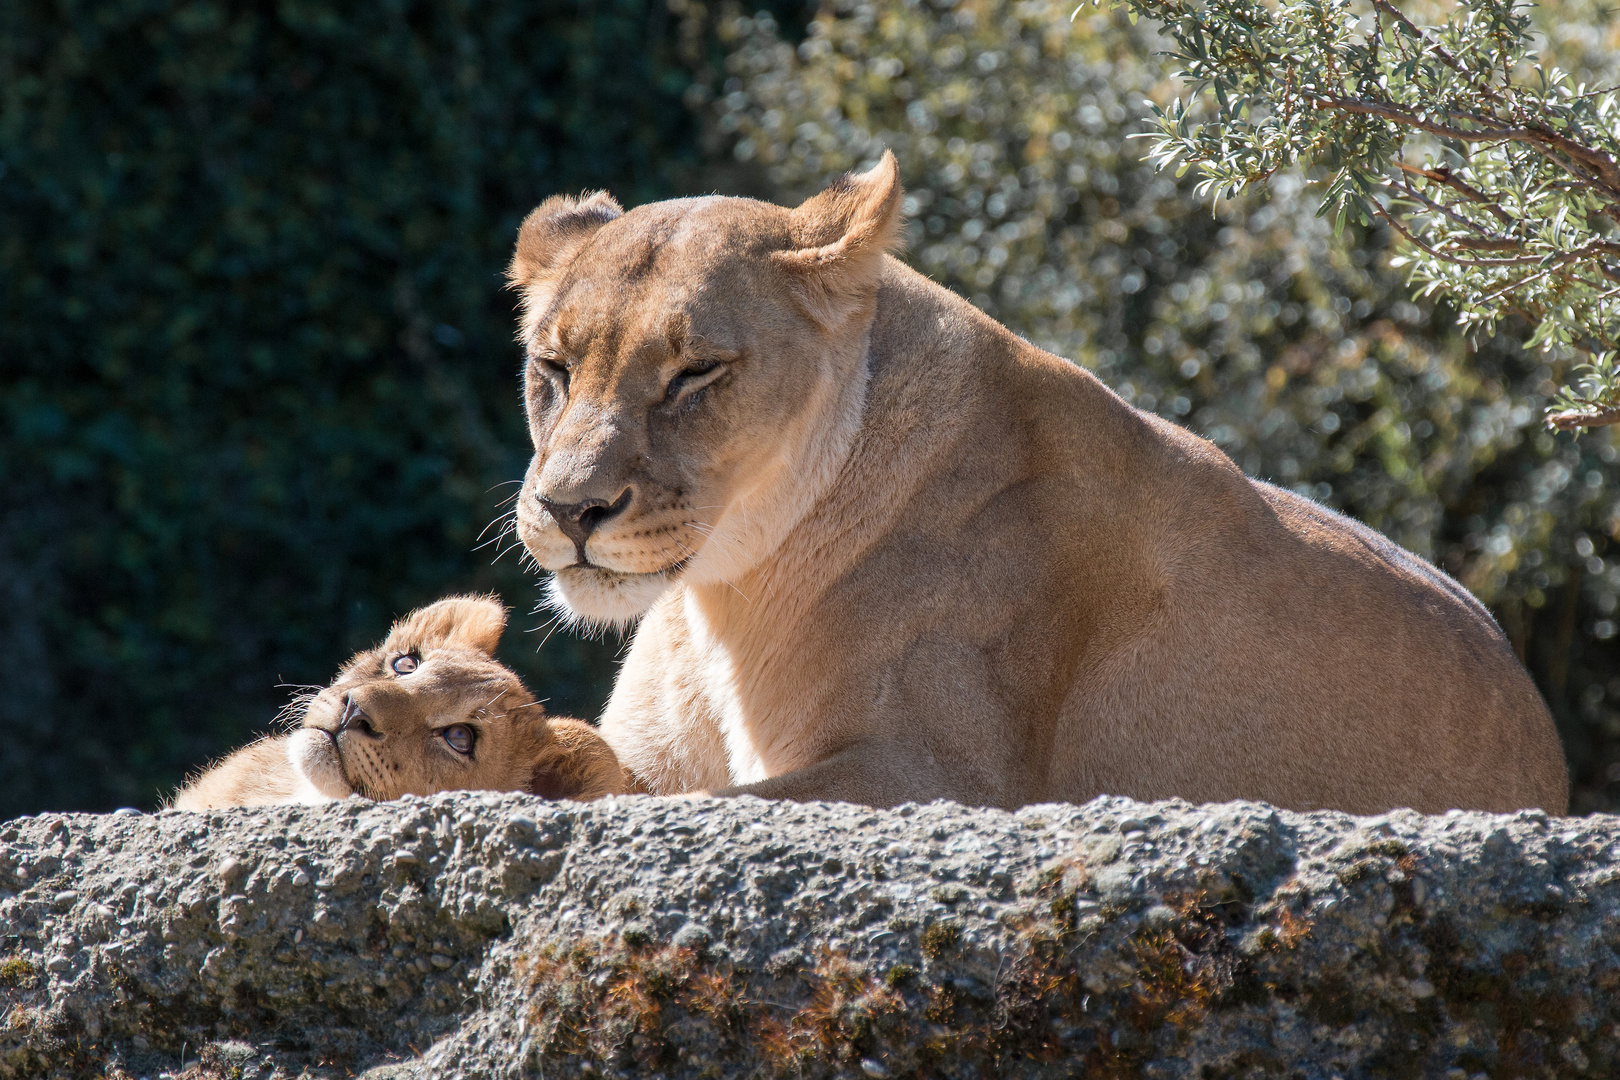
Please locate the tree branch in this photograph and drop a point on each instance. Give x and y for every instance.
(1471, 243)
(1486, 244)
(1596, 247)
(1586, 417)
(1443, 175)
(1604, 165)
(1439, 50)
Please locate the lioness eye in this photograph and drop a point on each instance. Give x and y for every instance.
(459, 738)
(688, 375)
(554, 367)
(404, 665)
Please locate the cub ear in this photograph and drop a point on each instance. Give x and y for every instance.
(467, 622)
(548, 240)
(576, 764)
(840, 237)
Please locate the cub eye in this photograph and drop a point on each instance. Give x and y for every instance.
(404, 665)
(459, 738)
(690, 375)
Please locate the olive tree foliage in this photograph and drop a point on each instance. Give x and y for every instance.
(1497, 168)
(1300, 352)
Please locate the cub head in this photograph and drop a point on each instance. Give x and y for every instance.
(430, 710)
(694, 379)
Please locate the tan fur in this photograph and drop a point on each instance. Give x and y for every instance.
(892, 552)
(394, 745)
(256, 775)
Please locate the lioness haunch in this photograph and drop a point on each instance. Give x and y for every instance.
(885, 550)
(428, 710)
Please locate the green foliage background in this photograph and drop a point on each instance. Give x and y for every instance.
(257, 376)
(258, 389)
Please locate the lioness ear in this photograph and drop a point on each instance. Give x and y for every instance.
(840, 237)
(468, 622)
(548, 240)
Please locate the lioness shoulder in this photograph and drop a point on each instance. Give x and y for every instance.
(430, 709)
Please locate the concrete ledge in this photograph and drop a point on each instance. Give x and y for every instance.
(476, 935)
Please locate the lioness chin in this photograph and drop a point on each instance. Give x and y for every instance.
(884, 550)
(428, 710)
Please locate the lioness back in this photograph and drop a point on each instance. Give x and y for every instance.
(883, 550)
(1276, 649)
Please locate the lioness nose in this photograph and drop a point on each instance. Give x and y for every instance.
(579, 520)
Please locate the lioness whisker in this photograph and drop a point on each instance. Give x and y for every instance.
(550, 627)
(506, 521)
(736, 590)
(502, 553)
(508, 524)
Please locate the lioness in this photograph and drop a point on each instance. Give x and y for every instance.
(428, 710)
(885, 550)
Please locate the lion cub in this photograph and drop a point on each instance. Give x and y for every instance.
(430, 709)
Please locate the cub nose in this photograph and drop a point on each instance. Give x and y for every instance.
(578, 520)
(354, 718)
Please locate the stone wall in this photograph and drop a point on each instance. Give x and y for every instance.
(478, 935)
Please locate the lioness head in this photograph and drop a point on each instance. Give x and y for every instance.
(430, 710)
(694, 379)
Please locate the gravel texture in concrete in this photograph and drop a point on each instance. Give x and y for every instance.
(480, 935)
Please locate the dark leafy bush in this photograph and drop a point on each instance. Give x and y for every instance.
(257, 376)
